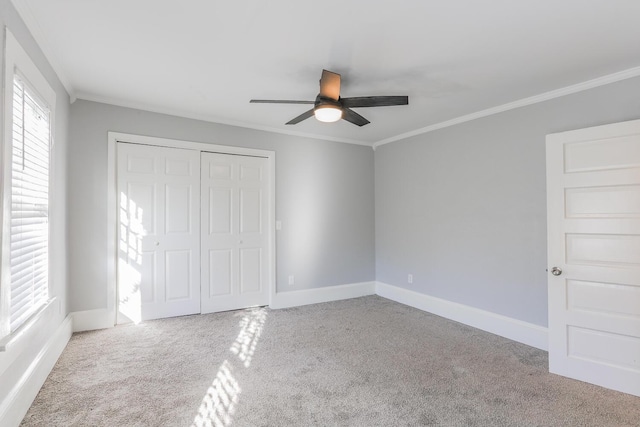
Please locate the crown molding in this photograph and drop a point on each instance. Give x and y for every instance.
(49, 52)
(546, 96)
(209, 118)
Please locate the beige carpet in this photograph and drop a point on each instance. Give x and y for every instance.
(361, 362)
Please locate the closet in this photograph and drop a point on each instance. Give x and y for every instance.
(193, 231)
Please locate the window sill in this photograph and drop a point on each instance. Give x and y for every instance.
(7, 342)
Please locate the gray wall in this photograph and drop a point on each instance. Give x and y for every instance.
(463, 209)
(324, 198)
(13, 363)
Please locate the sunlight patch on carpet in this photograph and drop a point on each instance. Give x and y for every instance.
(251, 327)
(219, 404)
(221, 400)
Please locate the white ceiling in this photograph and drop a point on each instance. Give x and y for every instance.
(207, 58)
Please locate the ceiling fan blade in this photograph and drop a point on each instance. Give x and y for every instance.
(353, 117)
(330, 85)
(279, 101)
(301, 117)
(374, 101)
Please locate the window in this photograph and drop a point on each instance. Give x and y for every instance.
(25, 189)
(29, 204)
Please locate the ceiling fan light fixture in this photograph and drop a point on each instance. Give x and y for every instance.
(327, 113)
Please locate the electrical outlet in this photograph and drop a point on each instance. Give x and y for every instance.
(291, 280)
(410, 278)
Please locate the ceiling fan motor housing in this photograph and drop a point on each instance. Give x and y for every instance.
(323, 100)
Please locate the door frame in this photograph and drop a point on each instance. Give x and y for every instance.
(113, 138)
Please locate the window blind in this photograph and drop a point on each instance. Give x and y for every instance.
(29, 258)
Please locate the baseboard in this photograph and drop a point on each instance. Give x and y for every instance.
(17, 403)
(318, 295)
(90, 320)
(516, 330)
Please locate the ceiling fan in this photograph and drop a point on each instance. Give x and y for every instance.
(330, 107)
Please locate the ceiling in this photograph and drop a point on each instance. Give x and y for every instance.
(206, 58)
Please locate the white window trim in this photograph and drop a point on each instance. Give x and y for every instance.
(16, 58)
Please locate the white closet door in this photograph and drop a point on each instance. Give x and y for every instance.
(158, 232)
(593, 202)
(235, 237)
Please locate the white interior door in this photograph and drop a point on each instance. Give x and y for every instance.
(593, 202)
(235, 238)
(158, 231)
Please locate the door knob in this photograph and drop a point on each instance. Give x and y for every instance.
(556, 271)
